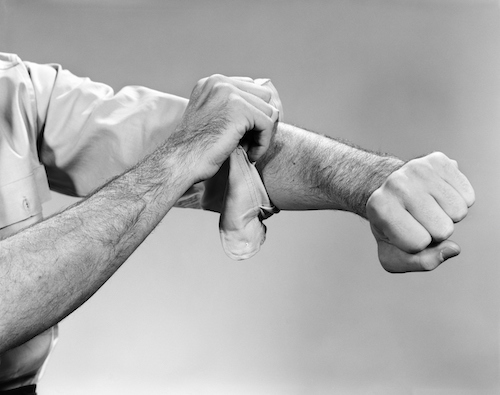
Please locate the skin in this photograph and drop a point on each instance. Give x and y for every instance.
(68, 257)
(65, 259)
(413, 214)
(412, 207)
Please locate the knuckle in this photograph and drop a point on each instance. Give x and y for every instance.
(425, 166)
(420, 168)
(420, 244)
(397, 183)
(438, 157)
(470, 198)
(202, 81)
(199, 87)
(459, 212)
(222, 87)
(440, 160)
(444, 231)
(214, 81)
(217, 77)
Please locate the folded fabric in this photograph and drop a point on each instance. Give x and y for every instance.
(245, 203)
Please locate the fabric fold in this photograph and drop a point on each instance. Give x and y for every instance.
(246, 203)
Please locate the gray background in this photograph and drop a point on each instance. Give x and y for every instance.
(313, 313)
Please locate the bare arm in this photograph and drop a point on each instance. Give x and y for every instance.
(51, 268)
(303, 170)
(412, 207)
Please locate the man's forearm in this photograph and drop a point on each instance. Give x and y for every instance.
(50, 269)
(412, 207)
(303, 170)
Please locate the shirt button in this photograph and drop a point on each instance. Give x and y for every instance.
(26, 204)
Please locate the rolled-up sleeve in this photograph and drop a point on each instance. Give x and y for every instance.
(88, 133)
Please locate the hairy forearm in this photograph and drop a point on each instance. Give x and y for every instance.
(51, 268)
(303, 170)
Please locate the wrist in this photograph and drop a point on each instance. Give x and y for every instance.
(381, 171)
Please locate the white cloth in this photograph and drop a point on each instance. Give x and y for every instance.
(246, 203)
(74, 134)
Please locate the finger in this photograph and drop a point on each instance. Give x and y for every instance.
(449, 199)
(269, 110)
(245, 84)
(395, 260)
(257, 141)
(260, 91)
(245, 79)
(431, 215)
(391, 222)
(275, 98)
(463, 186)
(433, 196)
(249, 87)
(262, 119)
(260, 144)
(448, 170)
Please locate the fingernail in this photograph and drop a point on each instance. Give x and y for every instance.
(447, 253)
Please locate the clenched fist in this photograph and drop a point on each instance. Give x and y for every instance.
(413, 213)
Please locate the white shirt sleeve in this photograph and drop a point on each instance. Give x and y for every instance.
(89, 134)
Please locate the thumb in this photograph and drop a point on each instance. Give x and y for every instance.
(395, 260)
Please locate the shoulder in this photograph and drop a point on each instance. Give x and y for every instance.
(8, 60)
